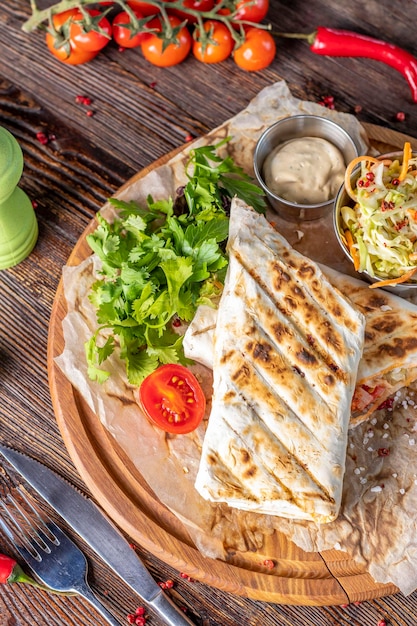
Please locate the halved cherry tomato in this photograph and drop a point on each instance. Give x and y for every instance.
(174, 53)
(222, 45)
(196, 5)
(144, 7)
(59, 43)
(252, 10)
(123, 34)
(172, 398)
(257, 51)
(91, 37)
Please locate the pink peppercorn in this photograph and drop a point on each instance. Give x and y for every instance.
(140, 610)
(400, 116)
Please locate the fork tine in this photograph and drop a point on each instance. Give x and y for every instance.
(50, 553)
(29, 527)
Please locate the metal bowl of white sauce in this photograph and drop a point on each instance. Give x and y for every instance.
(300, 162)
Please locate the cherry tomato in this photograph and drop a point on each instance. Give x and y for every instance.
(196, 5)
(88, 37)
(172, 398)
(252, 10)
(222, 45)
(122, 31)
(144, 7)
(257, 51)
(59, 44)
(174, 53)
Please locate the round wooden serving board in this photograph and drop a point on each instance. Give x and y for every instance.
(326, 578)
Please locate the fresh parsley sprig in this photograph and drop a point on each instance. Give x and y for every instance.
(159, 263)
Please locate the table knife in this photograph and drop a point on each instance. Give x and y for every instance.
(90, 523)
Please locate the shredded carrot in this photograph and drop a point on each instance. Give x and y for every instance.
(349, 170)
(395, 281)
(353, 251)
(407, 153)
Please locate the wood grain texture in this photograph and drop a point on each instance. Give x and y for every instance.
(326, 578)
(140, 114)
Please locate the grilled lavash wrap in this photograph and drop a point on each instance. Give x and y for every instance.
(287, 346)
(389, 359)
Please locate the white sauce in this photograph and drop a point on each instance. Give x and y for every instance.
(308, 170)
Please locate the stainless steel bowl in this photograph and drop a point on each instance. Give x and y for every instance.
(404, 290)
(293, 128)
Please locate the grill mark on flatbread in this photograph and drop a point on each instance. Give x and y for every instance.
(250, 380)
(249, 467)
(272, 363)
(331, 340)
(254, 376)
(309, 354)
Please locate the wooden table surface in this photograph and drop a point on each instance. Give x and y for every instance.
(140, 113)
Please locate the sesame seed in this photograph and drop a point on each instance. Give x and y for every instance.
(376, 489)
(402, 491)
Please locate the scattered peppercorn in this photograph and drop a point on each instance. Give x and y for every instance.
(90, 113)
(382, 622)
(140, 610)
(269, 564)
(357, 108)
(383, 451)
(85, 100)
(42, 138)
(400, 116)
(327, 101)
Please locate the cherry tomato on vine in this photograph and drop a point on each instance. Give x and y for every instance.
(93, 36)
(257, 51)
(144, 7)
(122, 30)
(174, 53)
(252, 10)
(220, 46)
(196, 5)
(58, 43)
(172, 398)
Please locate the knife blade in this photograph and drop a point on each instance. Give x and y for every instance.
(90, 523)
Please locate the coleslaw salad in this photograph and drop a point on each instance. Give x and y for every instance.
(380, 229)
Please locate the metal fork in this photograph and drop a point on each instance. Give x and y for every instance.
(52, 556)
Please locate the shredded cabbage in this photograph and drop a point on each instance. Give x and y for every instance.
(383, 221)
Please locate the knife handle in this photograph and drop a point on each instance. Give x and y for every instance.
(169, 611)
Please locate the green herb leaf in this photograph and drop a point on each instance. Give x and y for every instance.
(157, 266)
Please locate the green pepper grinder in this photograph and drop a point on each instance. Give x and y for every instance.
(18, 225)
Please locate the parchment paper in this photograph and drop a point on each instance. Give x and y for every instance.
(377, 524)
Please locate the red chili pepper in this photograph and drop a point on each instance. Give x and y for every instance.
(345, 43)
(11, 572)
(7, 565)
